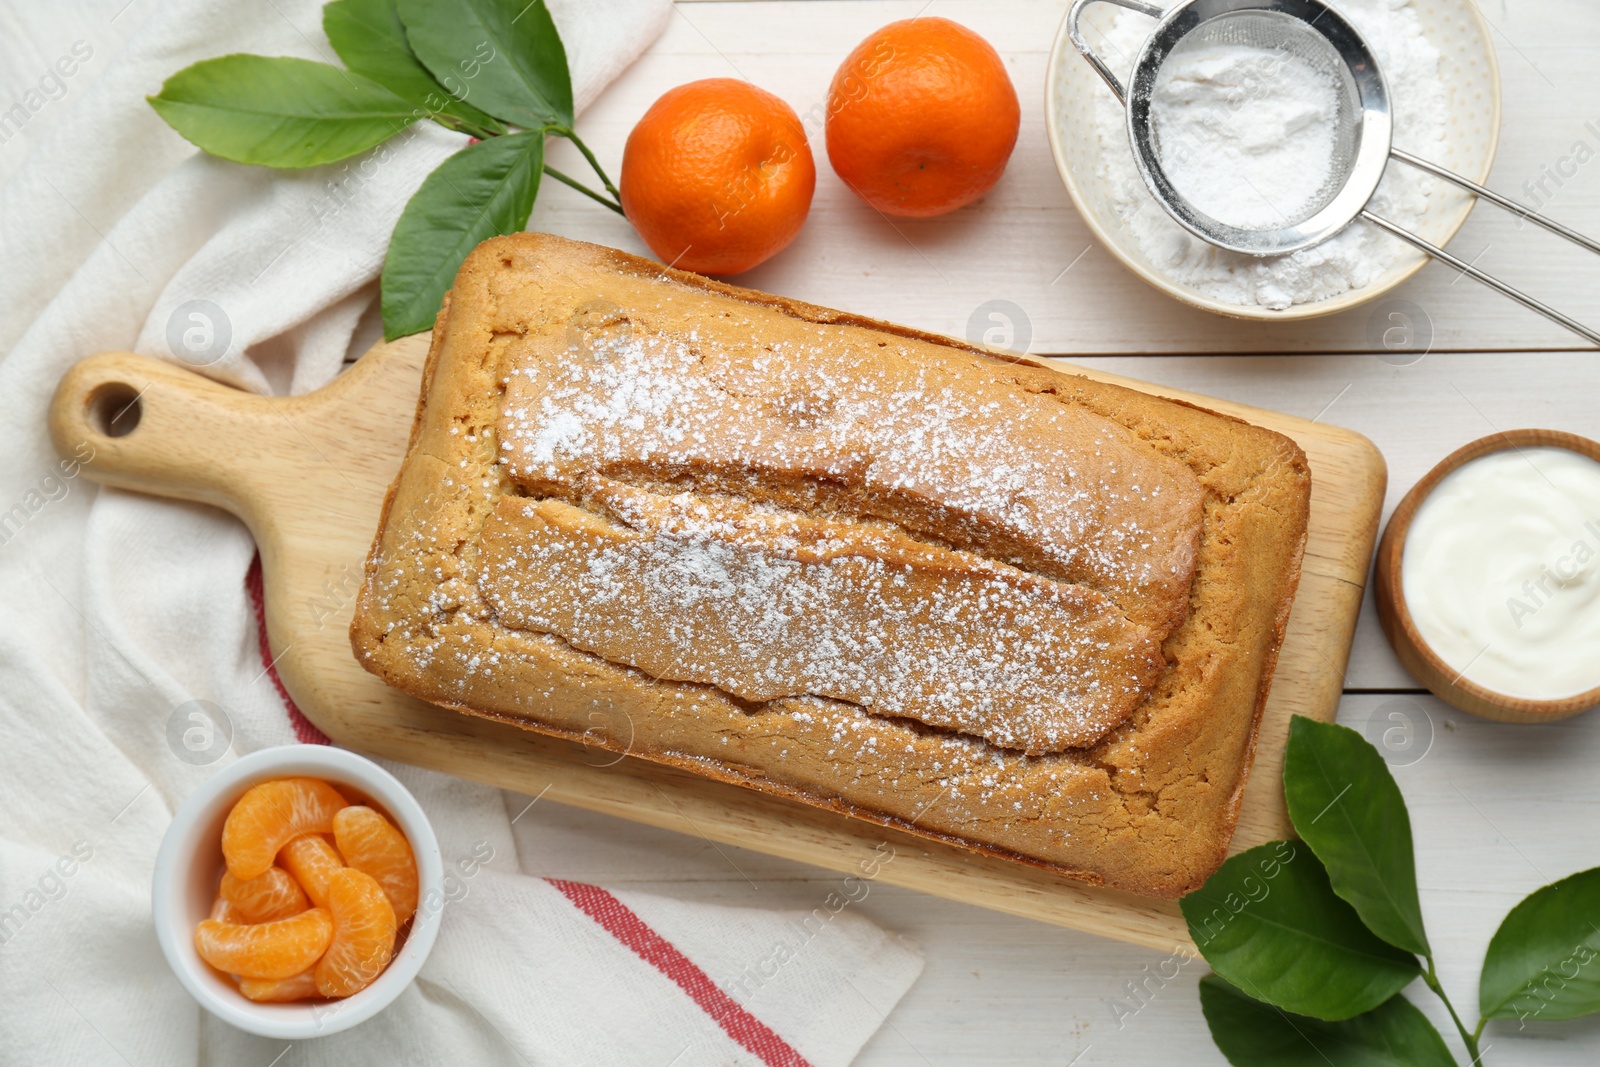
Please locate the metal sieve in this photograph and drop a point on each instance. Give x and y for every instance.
(1361, 139)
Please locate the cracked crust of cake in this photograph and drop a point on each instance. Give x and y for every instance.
(1192, 530)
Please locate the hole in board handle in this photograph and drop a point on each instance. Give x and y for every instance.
(113, 409)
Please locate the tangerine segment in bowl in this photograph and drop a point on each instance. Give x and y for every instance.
(300, 986)
(312, 860)
(264, 898)
(371, 844)
(363, 934)
(266, 950)
(272, 813)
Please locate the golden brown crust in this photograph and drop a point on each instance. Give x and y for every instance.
(1149, 808)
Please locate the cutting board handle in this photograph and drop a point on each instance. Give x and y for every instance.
(142, 423)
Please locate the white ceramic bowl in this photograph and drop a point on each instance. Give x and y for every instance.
(1467, 66)
(189, 865)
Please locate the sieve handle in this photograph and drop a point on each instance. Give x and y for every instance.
(1495, 198)
(1487, 279)
(1075, 31)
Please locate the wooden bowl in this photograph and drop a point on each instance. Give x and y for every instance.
(1424, 664)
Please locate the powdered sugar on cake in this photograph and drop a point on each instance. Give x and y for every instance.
(860, 527)
(1017, 477)
(766, 604)
(704, 376)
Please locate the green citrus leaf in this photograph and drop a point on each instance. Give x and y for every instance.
(1253, 1034)
(483, 190)
(506, 56)
(371, 39)
(277, 111)
(1269, 922)
(1544, 961)
(1346, 806)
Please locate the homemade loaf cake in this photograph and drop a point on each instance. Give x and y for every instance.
(852, 564)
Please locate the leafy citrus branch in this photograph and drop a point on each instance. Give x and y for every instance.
(1312, 941)
(495, 70)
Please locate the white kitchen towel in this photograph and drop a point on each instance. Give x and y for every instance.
(117, 611)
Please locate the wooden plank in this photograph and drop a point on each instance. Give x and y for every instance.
(1017, 243)
(308, 475)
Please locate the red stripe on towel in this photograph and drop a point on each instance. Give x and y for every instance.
(621, 922)
(303, 729)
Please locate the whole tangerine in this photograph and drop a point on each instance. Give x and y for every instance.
(922, 118)
(717, 176)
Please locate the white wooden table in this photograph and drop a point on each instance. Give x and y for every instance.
(1497, 810)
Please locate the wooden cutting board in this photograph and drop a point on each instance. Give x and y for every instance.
(308, 474)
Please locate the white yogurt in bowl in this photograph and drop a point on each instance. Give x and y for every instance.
(1501, 572)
